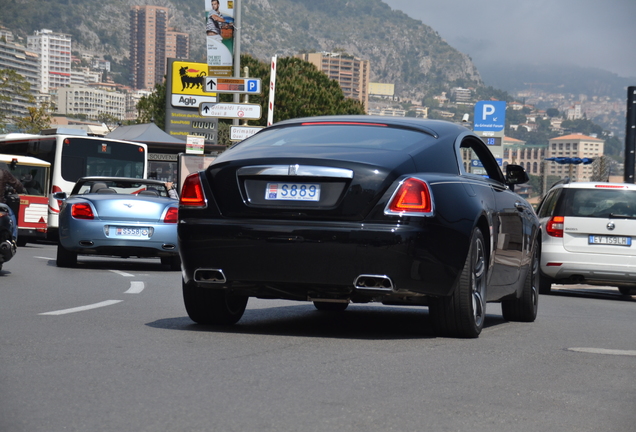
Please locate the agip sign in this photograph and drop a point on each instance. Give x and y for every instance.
(184, 94)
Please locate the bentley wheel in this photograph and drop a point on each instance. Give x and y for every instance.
(463, 313)
(213, 306)
(65, 258)
(525, 308)
(330, 306)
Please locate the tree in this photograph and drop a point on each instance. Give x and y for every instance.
(552, 112)
(13, 86)
(38, 117)
(301, 90)
(152, 108)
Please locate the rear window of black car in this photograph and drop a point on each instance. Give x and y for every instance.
(353, 136)
(598, 202)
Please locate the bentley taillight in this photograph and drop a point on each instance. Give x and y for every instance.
(413, 196)
(554, 226)
(192, 192)
(82, 211)
(172, 215)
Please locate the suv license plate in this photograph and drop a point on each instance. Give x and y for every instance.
(610, 240)
(293, 191)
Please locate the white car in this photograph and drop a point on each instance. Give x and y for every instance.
(589, 235)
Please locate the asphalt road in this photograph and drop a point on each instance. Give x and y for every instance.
(108, 346)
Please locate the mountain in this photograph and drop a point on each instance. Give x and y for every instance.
(401, 50)
(568, 79)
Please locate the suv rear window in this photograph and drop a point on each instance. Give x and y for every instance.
(600, 203)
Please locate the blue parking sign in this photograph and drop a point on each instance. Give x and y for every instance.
(490, 116)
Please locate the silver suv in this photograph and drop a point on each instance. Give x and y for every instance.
(589, 235)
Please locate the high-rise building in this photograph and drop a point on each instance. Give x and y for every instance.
(351, 73)
(55, 58)
(151, 44)
(26, 63)
(177, 45)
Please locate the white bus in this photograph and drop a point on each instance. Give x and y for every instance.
(75, 156)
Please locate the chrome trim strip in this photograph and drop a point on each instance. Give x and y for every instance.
(296, 170)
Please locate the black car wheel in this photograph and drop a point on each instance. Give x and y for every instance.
(330, 306)
(525, 308)
(626, 291)
(213, 306)
(65, 258)
(463, 313)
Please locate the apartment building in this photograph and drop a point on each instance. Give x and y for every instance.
(54, 51)
(91, 101)
(26, 63)
(530, 157)
(152, 43)
(574, 146)
(351, 73)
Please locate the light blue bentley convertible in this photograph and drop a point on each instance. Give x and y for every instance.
(114, 216)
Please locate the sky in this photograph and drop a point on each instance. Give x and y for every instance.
(588, 33)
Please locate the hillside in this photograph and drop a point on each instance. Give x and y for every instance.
(401, 50)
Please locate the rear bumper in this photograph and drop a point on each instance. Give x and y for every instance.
(297, 260)
(561, 265)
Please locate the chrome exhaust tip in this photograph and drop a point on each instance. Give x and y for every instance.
(370, 282)
(86, 243)
(209, 276)
(168, 246)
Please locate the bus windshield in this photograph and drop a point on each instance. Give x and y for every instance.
(34, 178)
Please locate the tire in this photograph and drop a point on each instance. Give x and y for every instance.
(172, 262)
(462, 314)
(213, 306)
(330, 306)
(21, 242)
(524, 308)
(545, 284)
(65, 258)
(626, 291)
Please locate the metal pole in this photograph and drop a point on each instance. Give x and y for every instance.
(630, 135)
(237, 50)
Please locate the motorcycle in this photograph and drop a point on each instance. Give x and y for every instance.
(8, 241)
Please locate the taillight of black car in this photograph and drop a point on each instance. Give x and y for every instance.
(412, 197)
(192, 192)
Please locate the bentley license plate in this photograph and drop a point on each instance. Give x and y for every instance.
(610, 240)
(293, 191)
(131, 232)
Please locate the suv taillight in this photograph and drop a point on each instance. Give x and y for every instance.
(554, 227)
(192, 192)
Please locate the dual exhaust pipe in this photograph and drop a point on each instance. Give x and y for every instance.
(365, 282)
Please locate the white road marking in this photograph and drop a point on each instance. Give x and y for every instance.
(46, 258)
(604, 351)
(82, 308)
(121, 273)
(135, 287)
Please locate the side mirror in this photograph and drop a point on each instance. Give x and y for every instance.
(515, 174)
(60, 196)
